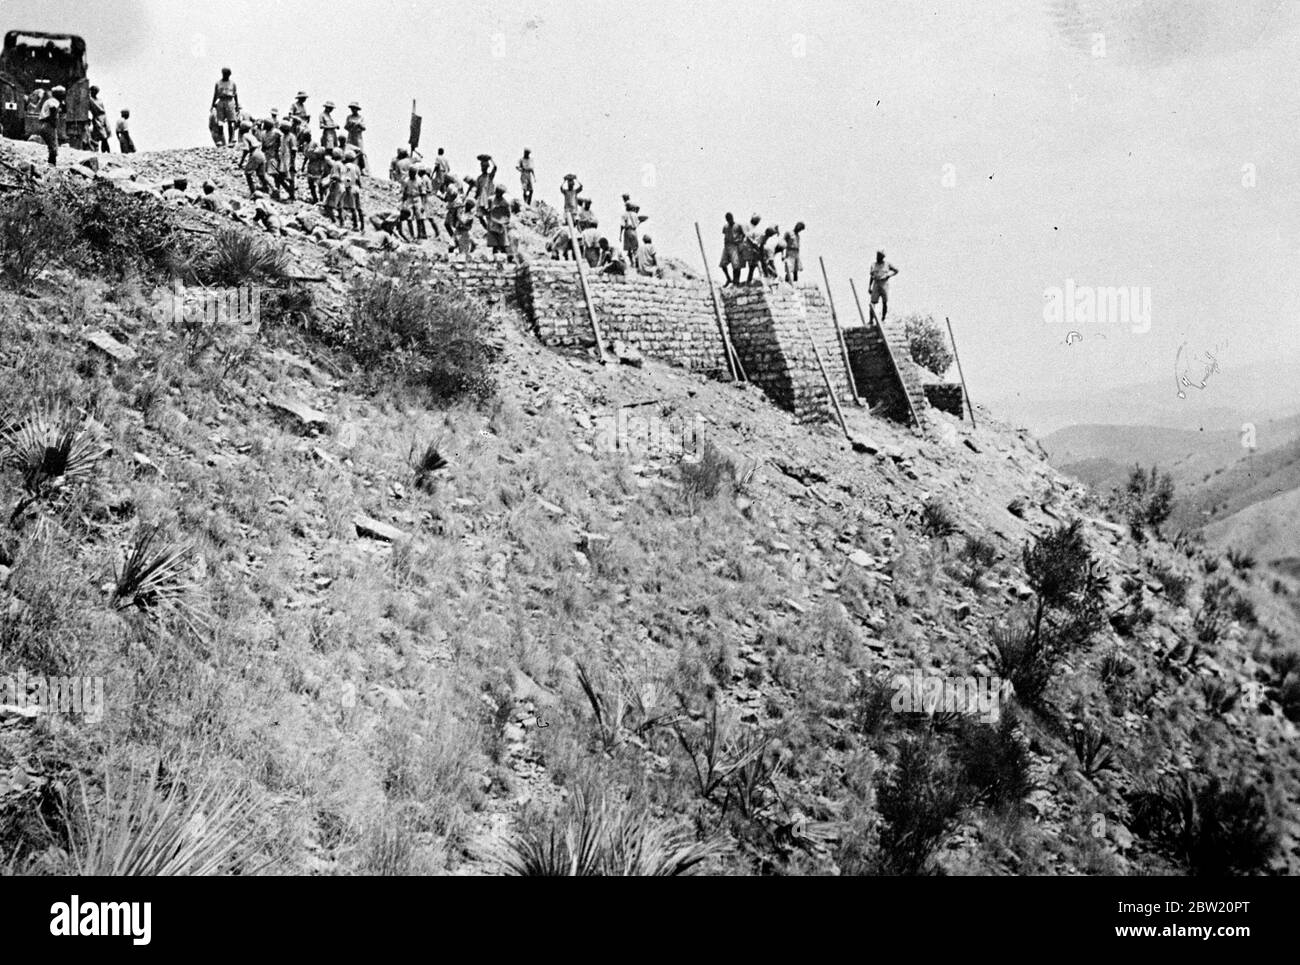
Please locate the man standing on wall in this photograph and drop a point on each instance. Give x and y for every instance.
(733, 236)
(881, 272)
(752, 249)
(793, 263)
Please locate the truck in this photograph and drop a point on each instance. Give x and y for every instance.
(31, 63)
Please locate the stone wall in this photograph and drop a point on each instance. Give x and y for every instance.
(674, 321)
(770, 328)
(492, 278)
(947, 397)
(886, 383)
(666, 319)
(874, 374)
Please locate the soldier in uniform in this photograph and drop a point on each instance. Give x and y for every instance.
(527, 176)
(225, 98)
(51, 109)
(301, 117)
(485, 183)
(98, 123)
(355, 125)
(318, 169)
(123, 131)
(793, 263)
(253, 160)
(881, 272)
(329, 127)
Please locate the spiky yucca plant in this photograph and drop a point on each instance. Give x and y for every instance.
(155, 572)
(597, 838)
(241, 257)
(186, 828)
(50, 447)
(427, 463)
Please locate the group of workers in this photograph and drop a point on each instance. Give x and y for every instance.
(335, 162)
(635, 251)
(52, 110)
(275, 150)
(751, 248)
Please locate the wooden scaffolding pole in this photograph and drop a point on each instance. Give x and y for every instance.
(839, 334)
(582, 280)
(733, 358)
(970, 406)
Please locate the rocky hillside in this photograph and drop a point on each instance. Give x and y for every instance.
(370, 660)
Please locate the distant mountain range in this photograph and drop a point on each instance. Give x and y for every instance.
(1253, 394)
(1241, 498)
(1102, 455)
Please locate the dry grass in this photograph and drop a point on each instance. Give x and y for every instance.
(162, 823)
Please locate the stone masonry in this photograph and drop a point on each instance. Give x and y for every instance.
(946, 397)
(674, 320)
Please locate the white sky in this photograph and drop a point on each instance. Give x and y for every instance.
(1125, 169)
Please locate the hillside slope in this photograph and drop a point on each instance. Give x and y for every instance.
(414, 702)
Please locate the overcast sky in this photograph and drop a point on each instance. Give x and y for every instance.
(994, 150)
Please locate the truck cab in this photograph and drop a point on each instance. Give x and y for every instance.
(31, 63)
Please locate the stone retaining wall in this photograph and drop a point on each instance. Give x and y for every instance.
(947, 397)
(674, 321)
(666, 319)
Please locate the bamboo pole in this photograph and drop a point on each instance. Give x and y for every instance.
(970, 406)
(839, 334)
(890, 353)
(582, 280)
(830, 389)
(733, 358)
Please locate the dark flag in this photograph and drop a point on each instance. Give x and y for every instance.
(415, 129)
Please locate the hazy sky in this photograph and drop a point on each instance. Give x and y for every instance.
(992, 149)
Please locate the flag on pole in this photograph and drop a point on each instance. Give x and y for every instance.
(415, 128)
